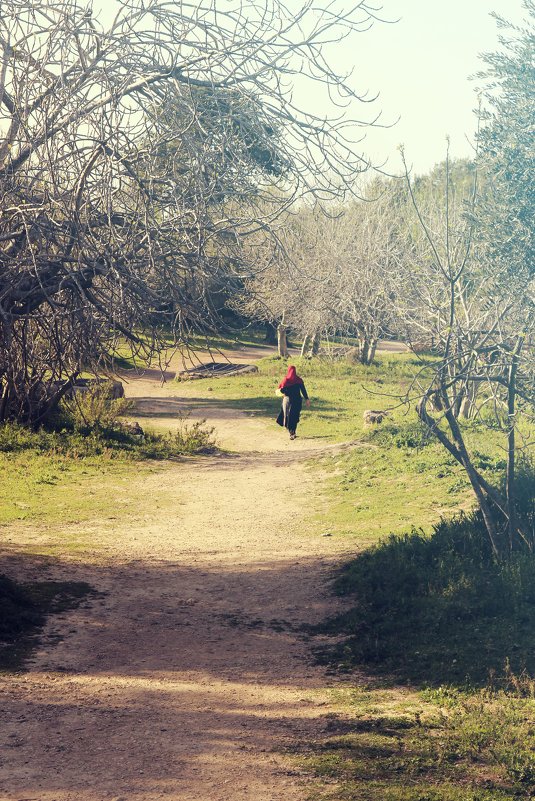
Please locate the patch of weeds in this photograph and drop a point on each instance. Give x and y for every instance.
(94, 409)
(116, 441)
(23, 612)
(374, 491)
(187, 439)
(488, 462)
(460, 485)
(439, 745)
(408, 435)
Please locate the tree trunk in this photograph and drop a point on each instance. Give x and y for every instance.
(270, 337)
(465, 409)
(305, 346)
(316, 341)
(363, 350)
(458, 450)
(371, 350)
(473, 475)
(282, 340)
(4, 405)
(367, 348)
(511, 424)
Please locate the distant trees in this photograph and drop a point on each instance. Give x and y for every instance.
(135, 156)
(333, 274)
(369, 273)
(507, 154)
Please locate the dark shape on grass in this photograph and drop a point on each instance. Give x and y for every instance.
(216, 370)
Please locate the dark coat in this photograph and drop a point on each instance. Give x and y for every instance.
(291, 406)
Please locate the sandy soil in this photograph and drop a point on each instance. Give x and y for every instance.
(189, 677)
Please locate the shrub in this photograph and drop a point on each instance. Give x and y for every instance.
(118, 441)
(94, 408)
(189, 438)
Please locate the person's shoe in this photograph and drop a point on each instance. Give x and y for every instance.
(292, 436)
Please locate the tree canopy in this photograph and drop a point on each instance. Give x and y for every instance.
(507, 148)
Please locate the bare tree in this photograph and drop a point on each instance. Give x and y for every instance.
(367, 284)
(478, 323)
(342, 268)
(134, 158)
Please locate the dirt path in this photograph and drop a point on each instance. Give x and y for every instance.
(191, 673)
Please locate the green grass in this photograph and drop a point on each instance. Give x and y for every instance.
(339, 391)
(72, 476)
(438, 610)
(433, 746)
(415, 481)
(59, 488)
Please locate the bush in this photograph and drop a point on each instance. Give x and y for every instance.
(94, 408)
(189, 438)
(119, 441)
(408, 436)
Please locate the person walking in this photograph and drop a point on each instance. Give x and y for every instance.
(292, 387)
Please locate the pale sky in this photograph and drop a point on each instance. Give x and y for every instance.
(421, 67)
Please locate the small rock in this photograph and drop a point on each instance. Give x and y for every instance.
(374, 416)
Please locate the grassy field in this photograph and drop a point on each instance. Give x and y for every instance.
(397, 477)
(71, 475)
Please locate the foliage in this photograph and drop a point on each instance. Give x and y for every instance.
(115, 441)
(95, 408)
(506, 151)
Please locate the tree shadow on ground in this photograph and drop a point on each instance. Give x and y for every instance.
(180, 665)
(438, 610)
(179, 669)
(214, 407)
(24, 608)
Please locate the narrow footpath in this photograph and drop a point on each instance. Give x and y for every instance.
(190, 676)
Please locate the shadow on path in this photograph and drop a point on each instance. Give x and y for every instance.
(220, 675)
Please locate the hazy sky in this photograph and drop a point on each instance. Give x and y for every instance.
(421, 66)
